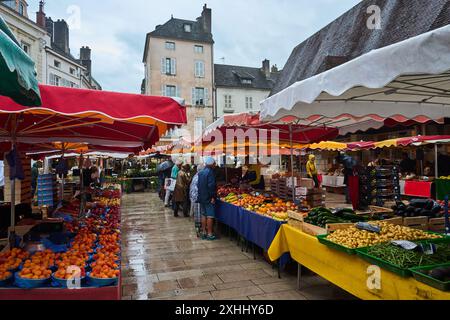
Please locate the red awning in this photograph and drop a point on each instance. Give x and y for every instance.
(99, 118)
(301, 134)
(113, 105)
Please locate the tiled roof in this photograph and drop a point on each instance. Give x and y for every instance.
(349, 37)
(232, 76)
(174, 29)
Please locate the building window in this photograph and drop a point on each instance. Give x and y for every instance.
(198, 49)
(55, 80)
(246, 81)
(57, 64)
(199, 96)
(170, 45)
(199, 69)
(187, 27)
(249, 103)
(168, 66)
(26, 47)
(73, 71)
(227, 101)
(170, 91)
(21, 8)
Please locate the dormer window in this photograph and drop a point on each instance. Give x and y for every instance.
(246, 81)
(187, 27)
(21, 8)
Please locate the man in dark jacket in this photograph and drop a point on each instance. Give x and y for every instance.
(207, 195)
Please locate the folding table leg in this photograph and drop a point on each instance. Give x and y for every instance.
(299, 275)
(279, 268)
(254, 251)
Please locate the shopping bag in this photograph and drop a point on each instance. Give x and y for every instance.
(170, 184)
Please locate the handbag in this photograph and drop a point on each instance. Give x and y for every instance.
(170, 184)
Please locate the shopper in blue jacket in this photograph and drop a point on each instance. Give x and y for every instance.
(207, 195)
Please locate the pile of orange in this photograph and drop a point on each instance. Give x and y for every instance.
(4, 273)
(102, 262)
(62, 273)
(14, 253)
(12, 259)
(104, 272)
(35, 272)
(44, 258)
(72, 258)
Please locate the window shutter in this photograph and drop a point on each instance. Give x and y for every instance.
(177, 92)
(163, 90)
(163, 65)
(173, 63)
(206, 97)
(202, 69)
(193, 97)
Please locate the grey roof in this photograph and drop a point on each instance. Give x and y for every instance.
(348, 36)
(174, 29)
(230, 76)
(66, 55)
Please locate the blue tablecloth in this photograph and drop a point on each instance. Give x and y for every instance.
(255, 228)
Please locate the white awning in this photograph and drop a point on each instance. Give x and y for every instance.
(409, 80)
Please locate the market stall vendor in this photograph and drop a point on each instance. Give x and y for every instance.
(258, 182)
(311, 169)
(247, 176)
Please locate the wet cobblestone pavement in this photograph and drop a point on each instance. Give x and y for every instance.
(164, 259)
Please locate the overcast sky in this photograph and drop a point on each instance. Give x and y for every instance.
(245, 31)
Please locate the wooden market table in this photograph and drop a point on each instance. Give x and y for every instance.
(348, 272)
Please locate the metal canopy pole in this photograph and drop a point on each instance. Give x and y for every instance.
(436, 167)
(12, 232)
(292, 162)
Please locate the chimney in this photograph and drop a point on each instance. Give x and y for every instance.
(61, 35)
(49, 26)
(206, 19)
(85, 58)
(266, 68)
(274, 69)
(40, 15)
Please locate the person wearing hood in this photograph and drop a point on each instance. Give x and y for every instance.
(181, 192)
(311, 169)
(207, 195)
(173, 176)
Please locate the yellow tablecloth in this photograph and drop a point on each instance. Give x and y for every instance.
(349, 272)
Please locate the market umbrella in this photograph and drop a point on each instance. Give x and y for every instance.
(403, 82)
(17, 70)
(108, 119)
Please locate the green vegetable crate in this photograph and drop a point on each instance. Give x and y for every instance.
(420, 276)
(362, 252)
(323, 240)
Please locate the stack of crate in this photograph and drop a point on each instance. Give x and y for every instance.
(275, 186)
(22, 187)
(282, 188)
(315, 197)
(47, 190)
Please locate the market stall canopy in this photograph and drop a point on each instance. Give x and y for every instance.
(99, 118)
(414, 141)
(328, 145)
(301, 134)
(406, 81)
(17, 70)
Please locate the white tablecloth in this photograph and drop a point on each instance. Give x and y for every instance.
(333, 181)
